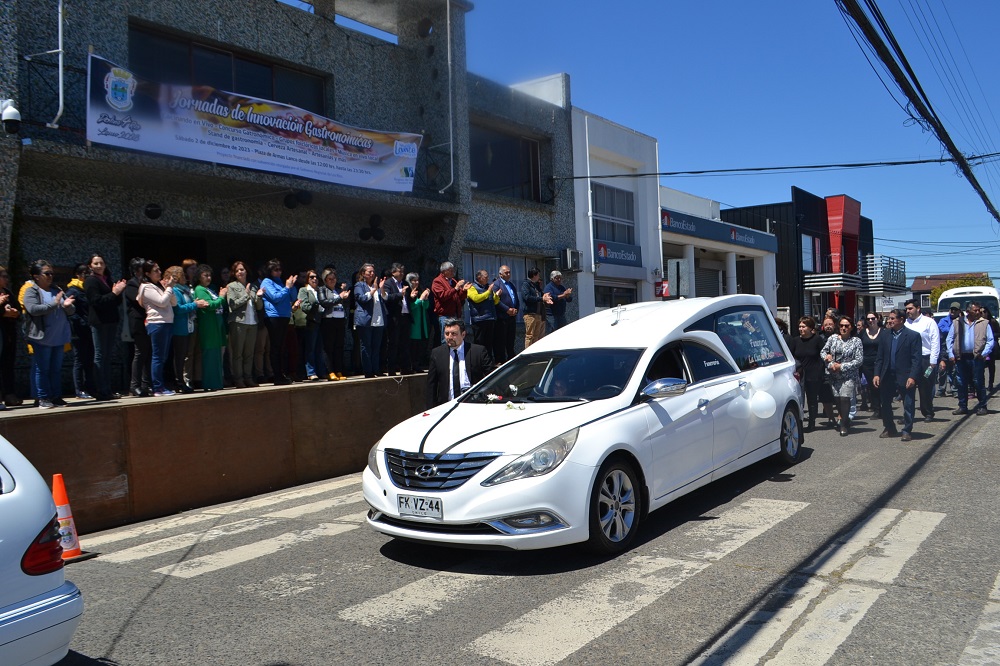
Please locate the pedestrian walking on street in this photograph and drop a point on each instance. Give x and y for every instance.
(897, 367)
(842, 355)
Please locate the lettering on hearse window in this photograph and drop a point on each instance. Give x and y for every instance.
(709, 364)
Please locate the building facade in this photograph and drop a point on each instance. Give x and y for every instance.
(702, 255)
(826, 256)
(476, 159)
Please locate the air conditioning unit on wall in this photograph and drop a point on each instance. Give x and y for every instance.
(570, 260)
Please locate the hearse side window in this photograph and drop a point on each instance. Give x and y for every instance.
(667, 364)
(747, 334)
(705, 363)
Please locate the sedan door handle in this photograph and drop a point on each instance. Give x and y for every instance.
(703, 403)
(743, 385)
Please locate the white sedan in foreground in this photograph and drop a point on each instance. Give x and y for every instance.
(581, 435)
(39, 609)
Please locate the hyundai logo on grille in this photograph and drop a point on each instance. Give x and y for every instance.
(426, 471)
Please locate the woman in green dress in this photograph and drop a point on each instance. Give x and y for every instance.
(211, 329)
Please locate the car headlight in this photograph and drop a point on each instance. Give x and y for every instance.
(373, 460)
(540, 460)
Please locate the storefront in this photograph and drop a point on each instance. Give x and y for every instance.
(701, 256)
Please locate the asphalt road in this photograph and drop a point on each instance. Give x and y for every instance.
(869, 551)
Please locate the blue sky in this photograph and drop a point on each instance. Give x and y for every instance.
(730, 83)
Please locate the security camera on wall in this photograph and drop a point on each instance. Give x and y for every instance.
(11, 117)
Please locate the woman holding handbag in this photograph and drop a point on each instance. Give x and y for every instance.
(842, 355)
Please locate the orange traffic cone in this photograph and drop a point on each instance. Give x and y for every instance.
(67, 528)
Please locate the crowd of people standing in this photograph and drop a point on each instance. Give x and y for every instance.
(188, 327)
(868, 365)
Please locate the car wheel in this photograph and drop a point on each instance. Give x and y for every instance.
(615, 508)
(791, 435)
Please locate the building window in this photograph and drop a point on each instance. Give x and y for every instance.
(613, 295)
(614, 214)
(504, 164)
(164, 59)
(808, 260)
(491, 263)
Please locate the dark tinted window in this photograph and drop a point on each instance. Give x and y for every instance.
(705, 363)
(504, 164)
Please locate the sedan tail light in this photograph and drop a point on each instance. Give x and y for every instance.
(44, 555)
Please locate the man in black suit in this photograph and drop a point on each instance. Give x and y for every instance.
(897, 367)
(455, 366)
(398, 322)
(506, 324)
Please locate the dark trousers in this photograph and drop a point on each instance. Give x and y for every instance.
(277, 327)
(926, 386)
(482, 334)
(83, 363)
(398, 344)
(142, 359)
(504, 334)
(874, 395)
(888, 388)
(332, 331)
(970, 373)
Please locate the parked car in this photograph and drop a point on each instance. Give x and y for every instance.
(580, 436)
(39, 609)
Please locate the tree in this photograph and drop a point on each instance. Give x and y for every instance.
(981, 281)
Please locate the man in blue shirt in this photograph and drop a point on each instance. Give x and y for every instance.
(555, 312)
(970, 341)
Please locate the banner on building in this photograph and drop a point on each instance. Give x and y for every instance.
(203, 123)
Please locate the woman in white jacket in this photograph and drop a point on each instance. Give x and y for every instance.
(156, 295)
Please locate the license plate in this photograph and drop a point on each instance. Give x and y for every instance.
(411, 505)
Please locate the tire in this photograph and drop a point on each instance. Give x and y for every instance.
(615, 508)
(791, 435)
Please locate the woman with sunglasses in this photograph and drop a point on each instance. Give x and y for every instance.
(47, 330)
(869, 345)
(842, 354)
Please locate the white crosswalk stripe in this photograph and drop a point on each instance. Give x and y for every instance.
(984, 647)
(214, 513)
(597, 606)
(418, 600)
(822, 611)
(252, 551)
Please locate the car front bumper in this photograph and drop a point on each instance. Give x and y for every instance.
(478, 516)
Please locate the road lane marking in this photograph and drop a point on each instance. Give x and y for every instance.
(739, 525)
(820, 614)
(252, 551)
(747, 642)
(838, 555)
(560, 627)
(215, 512)
(420, 599)
(557, 629)
(983, 648)
(886, 558)
(316, 507)
(186, 540)
(827, 626)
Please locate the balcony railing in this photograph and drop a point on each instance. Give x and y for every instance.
(879, 275)
(884, 276)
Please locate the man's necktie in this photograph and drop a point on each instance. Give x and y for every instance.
(456, 383)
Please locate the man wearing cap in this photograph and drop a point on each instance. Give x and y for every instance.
(946, 374)
(555, 312)
(930, 350)
(969, 342)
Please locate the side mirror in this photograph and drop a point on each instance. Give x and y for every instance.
(667, 387)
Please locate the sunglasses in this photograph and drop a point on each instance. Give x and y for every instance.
(871, 319)
(847, 325)
(47, 273)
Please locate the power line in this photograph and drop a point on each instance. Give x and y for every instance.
(800, 167)
(910, 85)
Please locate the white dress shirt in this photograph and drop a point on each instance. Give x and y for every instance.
(930, 336)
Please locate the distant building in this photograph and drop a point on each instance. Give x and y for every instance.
(826, 254)
(923, 285)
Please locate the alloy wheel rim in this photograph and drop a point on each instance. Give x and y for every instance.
(616, 505)
(791, 433)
